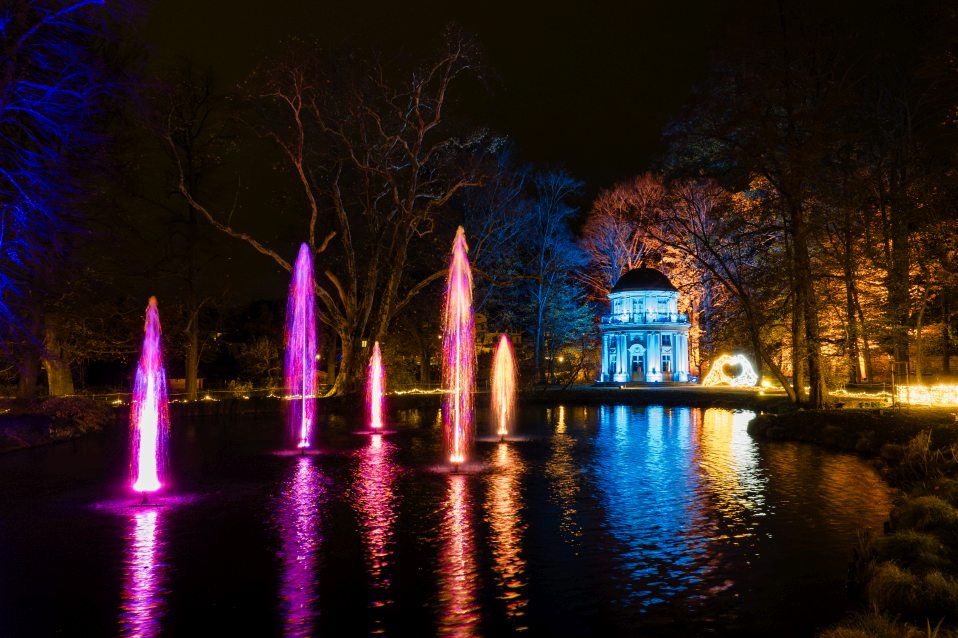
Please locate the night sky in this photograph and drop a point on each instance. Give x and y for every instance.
(587, 88)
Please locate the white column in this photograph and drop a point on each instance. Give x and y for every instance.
(623, 358)
(681, 353)
(602, 359)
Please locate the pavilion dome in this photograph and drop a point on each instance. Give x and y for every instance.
(643, 279)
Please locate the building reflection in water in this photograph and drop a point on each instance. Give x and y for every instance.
(672, 487)
(298, 520)
(562, 472)
(144, 575)
(459, 608)
(503, 514)
(376, 499)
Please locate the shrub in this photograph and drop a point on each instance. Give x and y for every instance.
(924, 512)
(239, 388)
(919, 598)
(893, 589)
(73, 416)
(921, 464)
(912, 550)
(870, 625)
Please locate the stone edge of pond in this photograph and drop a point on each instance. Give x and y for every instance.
(915, 451)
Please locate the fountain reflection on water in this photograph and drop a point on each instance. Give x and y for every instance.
(504, 515)
(458, 583)
(378, 507)
(298, 521)
(144, 575)
(300, 360)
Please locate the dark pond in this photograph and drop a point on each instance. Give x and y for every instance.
(605, 521)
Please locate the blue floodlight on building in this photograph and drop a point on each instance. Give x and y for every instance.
(644, 338)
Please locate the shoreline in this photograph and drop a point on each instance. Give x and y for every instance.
(31, 424)
(905, 580)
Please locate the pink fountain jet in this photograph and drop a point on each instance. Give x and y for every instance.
(300, 363)
(376, 389)
(149, 413)
(503, 386)
(459, 354)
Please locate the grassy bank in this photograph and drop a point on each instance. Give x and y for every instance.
(871, 432)
(907, 577)
(30, 423)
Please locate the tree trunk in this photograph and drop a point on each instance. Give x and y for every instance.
(808, 347)
(424, 367)
(193, 356)
(798, 351)
(27, 381)
(919, 342)
(757, 355)
(898, 299)
(851, 334)
(350, 369)
(945, 333)
(59, 375)
(866, 346)
(331, 357)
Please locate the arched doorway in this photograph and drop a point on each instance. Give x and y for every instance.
(637, 362)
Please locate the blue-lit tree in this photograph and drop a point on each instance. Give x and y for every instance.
(51, 91)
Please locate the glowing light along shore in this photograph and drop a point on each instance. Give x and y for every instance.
(459, 354)
(375, 388)
(149, 413)
(503, 386)
(300, 362)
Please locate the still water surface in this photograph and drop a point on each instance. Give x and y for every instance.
(611, 521)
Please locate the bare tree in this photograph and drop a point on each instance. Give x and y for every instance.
(373, 158)
(735, 246)
(614, 236)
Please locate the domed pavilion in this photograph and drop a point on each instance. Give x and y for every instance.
(645, 338)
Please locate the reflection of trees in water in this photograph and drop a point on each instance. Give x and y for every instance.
(734, 482)
(837, 490)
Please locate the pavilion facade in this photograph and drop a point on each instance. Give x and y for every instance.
(644, 338)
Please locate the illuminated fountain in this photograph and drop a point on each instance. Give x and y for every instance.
(300, 363)
(503, 386)
(459, 354)
(149, 413)
(375, 389)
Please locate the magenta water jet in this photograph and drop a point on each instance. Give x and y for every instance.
(149, 411)
(300, 360)
(459, 354)
(375, 389)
